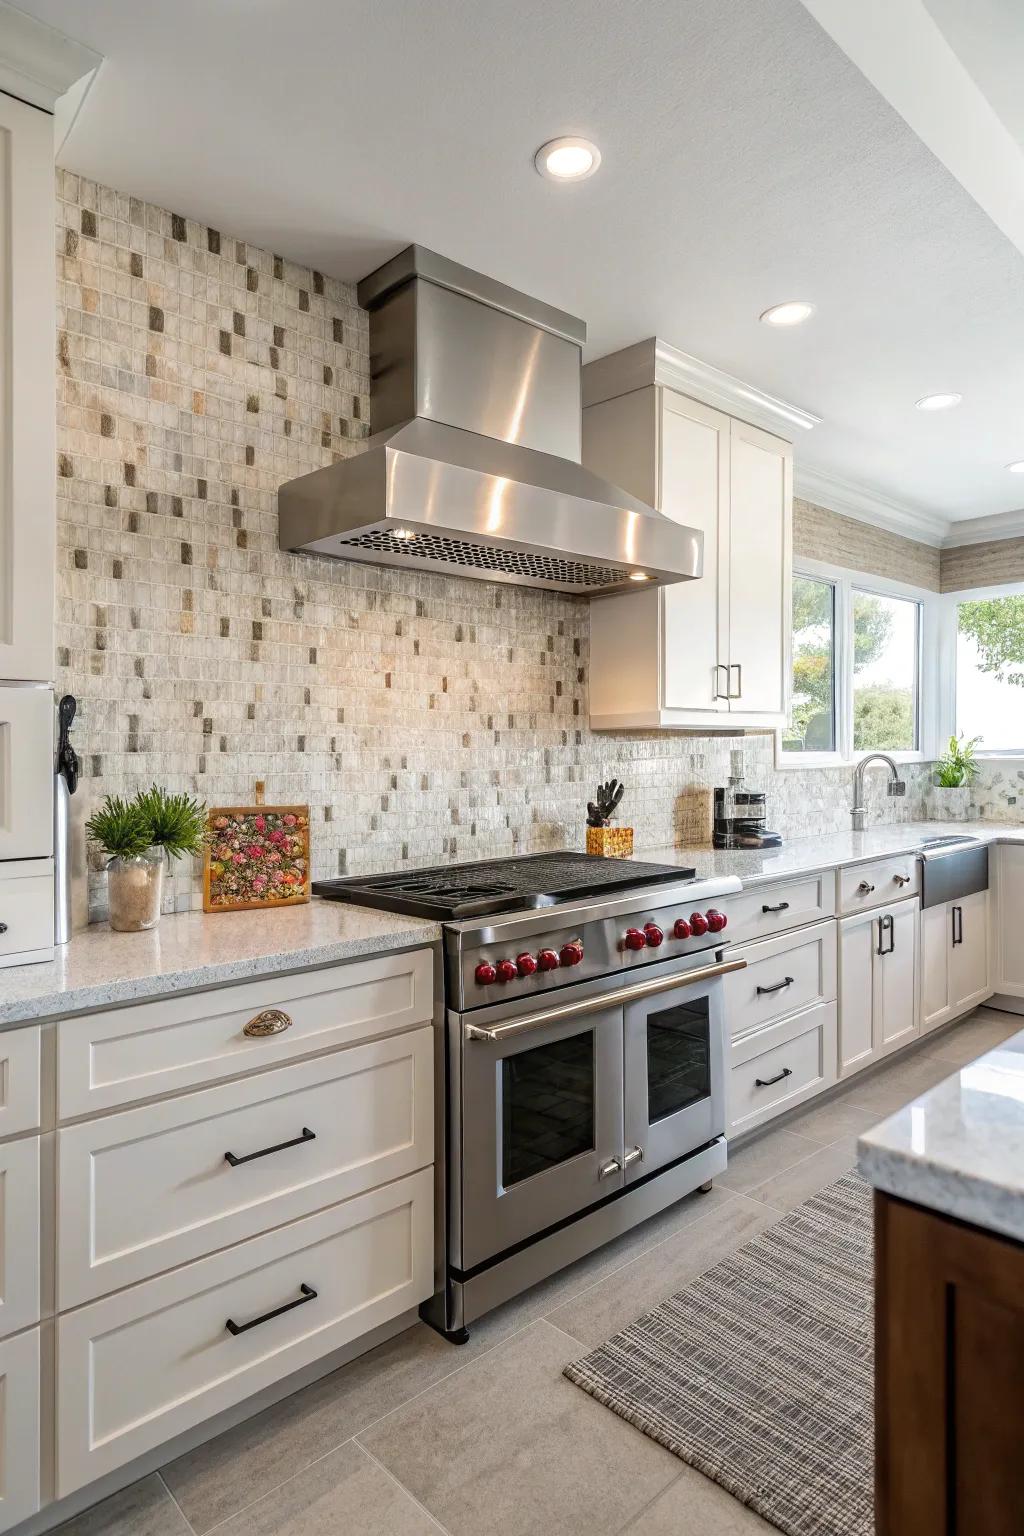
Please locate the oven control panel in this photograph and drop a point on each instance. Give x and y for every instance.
(556, 957)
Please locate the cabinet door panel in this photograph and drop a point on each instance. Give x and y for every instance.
(27, 411)
(856, 937)
(1009, 976)
(968, 956)
(935, 947)
(760, 561)
(19, 1428)
(695, 490)
(895, 991)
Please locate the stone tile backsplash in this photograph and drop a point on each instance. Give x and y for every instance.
(424, 718)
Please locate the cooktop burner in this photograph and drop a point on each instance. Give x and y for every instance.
(497, 885)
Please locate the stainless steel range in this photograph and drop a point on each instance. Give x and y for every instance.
(583, 1057)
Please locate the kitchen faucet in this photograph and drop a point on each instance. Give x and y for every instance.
(896, 786)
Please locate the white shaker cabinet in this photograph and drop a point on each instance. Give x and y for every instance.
(954, 958)
(878, 983)
(710, 652)
(1007, 871)
(27, 409)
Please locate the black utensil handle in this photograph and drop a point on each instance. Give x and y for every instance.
(308, 1294)
(307, 1135)
(787, 981)
(783, 906)
(766, 1082)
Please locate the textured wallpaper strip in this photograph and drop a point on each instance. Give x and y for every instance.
(819, 534)
(982, 565)
(424, 718)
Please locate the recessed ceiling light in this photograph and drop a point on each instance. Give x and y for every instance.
(1016, 468)
(639, 576)
(793, 312)
(567, 159)
(938, 402)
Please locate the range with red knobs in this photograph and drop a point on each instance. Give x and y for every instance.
(584, 1050)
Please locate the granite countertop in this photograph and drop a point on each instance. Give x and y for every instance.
(186, 950)
(829, 851)
(959, 1148)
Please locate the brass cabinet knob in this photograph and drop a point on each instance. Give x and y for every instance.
(272, 1021)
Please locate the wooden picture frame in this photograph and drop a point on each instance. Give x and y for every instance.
(254, 852)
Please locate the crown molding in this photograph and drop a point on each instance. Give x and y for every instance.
(38, 63)
(655, 362)
(869, 506)
(985, 530)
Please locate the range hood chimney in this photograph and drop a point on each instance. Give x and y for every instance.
(473, 468)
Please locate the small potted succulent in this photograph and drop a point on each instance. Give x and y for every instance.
(602, 838)
(949, 798)
(138, 838)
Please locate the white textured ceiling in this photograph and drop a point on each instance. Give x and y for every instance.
(988, 38)
(746, 161)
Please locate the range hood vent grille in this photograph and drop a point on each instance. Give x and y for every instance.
(492, 558)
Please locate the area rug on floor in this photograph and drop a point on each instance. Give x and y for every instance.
(760, 1373)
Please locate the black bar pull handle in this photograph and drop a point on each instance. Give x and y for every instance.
(787, 981)
(958, 925)
(886, 925)
(783, 906)
(308, 1294)
(282, 1146)
(766, 1082)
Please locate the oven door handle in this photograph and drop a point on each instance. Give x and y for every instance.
(620, 995)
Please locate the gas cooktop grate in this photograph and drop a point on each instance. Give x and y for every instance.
(494, 559)
(499, 885)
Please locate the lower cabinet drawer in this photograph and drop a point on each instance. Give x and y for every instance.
(19, 1234)
(26, 915)
(150, 1188)
(137, 1368)
(781, 1066)
(19, 1428)
(766, 909)
(782, 976)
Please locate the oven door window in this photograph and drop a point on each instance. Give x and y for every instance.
(547, 1106)
(678, 1058)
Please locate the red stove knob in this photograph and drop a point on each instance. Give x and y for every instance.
(716, 920)
(682, 929)
(698, 925)
(547, 960)
(571, 953)
(507, 970)
(485, 974)
(634, 939)
(653, 935)
(525, 964)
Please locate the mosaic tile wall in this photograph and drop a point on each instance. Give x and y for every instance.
(424, 718)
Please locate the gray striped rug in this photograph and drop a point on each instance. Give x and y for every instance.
(759, 1373)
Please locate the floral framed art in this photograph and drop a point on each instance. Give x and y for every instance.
(256, 856)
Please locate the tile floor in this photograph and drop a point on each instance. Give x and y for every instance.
(490, 1439)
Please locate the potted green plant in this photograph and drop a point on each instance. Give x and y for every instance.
(949, 798)
(139, 837)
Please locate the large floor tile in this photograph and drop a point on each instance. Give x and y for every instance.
(230, 1472)
(695, 1506)
(634, 1289)
(791, 1187)
(508, 1447)
(769, 1153)
(144, 1509)
(893, 1085)
(830, 1121)
(345, 1492)
(972, 1037)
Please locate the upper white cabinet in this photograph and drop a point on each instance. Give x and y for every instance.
(27, 409)
(710, 652)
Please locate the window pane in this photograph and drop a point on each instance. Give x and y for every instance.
(812, 718)
(990, 672)
(885, 652)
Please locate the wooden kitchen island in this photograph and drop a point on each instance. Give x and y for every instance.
(948, 1172)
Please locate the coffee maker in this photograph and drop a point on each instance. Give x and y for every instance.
(741, 815)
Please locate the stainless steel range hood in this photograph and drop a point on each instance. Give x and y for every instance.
(473, 468)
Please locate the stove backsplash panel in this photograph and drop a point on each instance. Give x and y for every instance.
(425, 719)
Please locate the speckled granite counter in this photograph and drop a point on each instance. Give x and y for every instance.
(959, 1148)
(99, 967)
(803, 854)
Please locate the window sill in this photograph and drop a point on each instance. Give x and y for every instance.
(786, 760)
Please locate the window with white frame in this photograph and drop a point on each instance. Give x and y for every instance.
(990, 669)
(856, 667)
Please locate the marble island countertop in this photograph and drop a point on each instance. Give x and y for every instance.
(959, 1148)
(829, 851)
(99, 968)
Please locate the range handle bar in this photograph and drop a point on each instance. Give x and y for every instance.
(620, 995)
